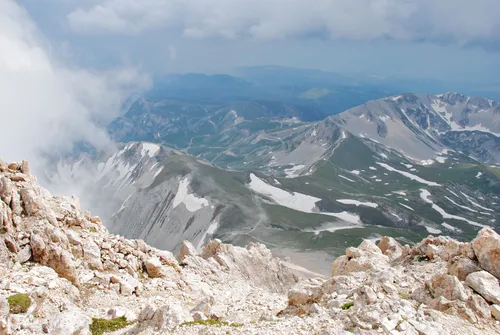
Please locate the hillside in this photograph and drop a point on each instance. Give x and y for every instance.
(63, 273)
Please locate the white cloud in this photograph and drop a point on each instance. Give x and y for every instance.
(45, 106)
(460, 21)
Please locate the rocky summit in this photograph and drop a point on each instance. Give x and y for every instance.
(62, 273)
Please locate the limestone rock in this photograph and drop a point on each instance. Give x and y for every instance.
(447, 286)
(154, 267)
(72, 322)
(187, 249)
(495, 311)
(390, 247)
(92, 255)
(462, 267)
(170, 316)
(30, 200)
(486, 285)
(487, 249)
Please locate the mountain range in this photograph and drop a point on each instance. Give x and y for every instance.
(405, 166)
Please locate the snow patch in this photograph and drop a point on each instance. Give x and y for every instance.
(408, 175)
(356, 172)
(406, 206)
(357, 203)
(476, 204)
(191, 202)
(479, 174)
(441, 159)
(373, 168)
(450, 227)
(433, 230)
(426, 162)
(341, 176)
(424, 194)
(294, 200)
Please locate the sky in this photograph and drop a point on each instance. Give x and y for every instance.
(67, 65)
(444, 40)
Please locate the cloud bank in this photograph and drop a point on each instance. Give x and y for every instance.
(46, 106)
(457, 21)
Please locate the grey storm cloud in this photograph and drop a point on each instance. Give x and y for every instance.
(456, 21)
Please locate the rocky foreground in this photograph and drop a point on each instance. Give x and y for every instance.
(61, 272)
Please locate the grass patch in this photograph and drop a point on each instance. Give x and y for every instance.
(347, 305)
(404, 295)
(210, 322)
(19, 303)
(101, 326)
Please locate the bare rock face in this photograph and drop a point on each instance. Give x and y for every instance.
(487, 249)
(486, 285)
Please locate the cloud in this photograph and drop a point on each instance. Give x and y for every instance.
(46, 106)
(458, 21)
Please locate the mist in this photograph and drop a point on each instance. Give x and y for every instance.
(47, 104)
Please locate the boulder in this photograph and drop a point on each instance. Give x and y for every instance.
(92, 255)
(486, 285)
(487, 249)
(30, 200)
(390, 247)
(365, 258)
(154, 267)
(304, 294)
(167, 317)
(187, 249)
(461, 267)
(447, 286)
(72, 322)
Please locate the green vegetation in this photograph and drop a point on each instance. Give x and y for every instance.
(403, 295)
(422, 258)
(101, 326)
(211, 322)
(19, 303)
(347, 305)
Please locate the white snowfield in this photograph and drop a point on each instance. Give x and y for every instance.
(424, 194)
(408, 175)
(191, 202)
(294, 200)
(357, 203)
